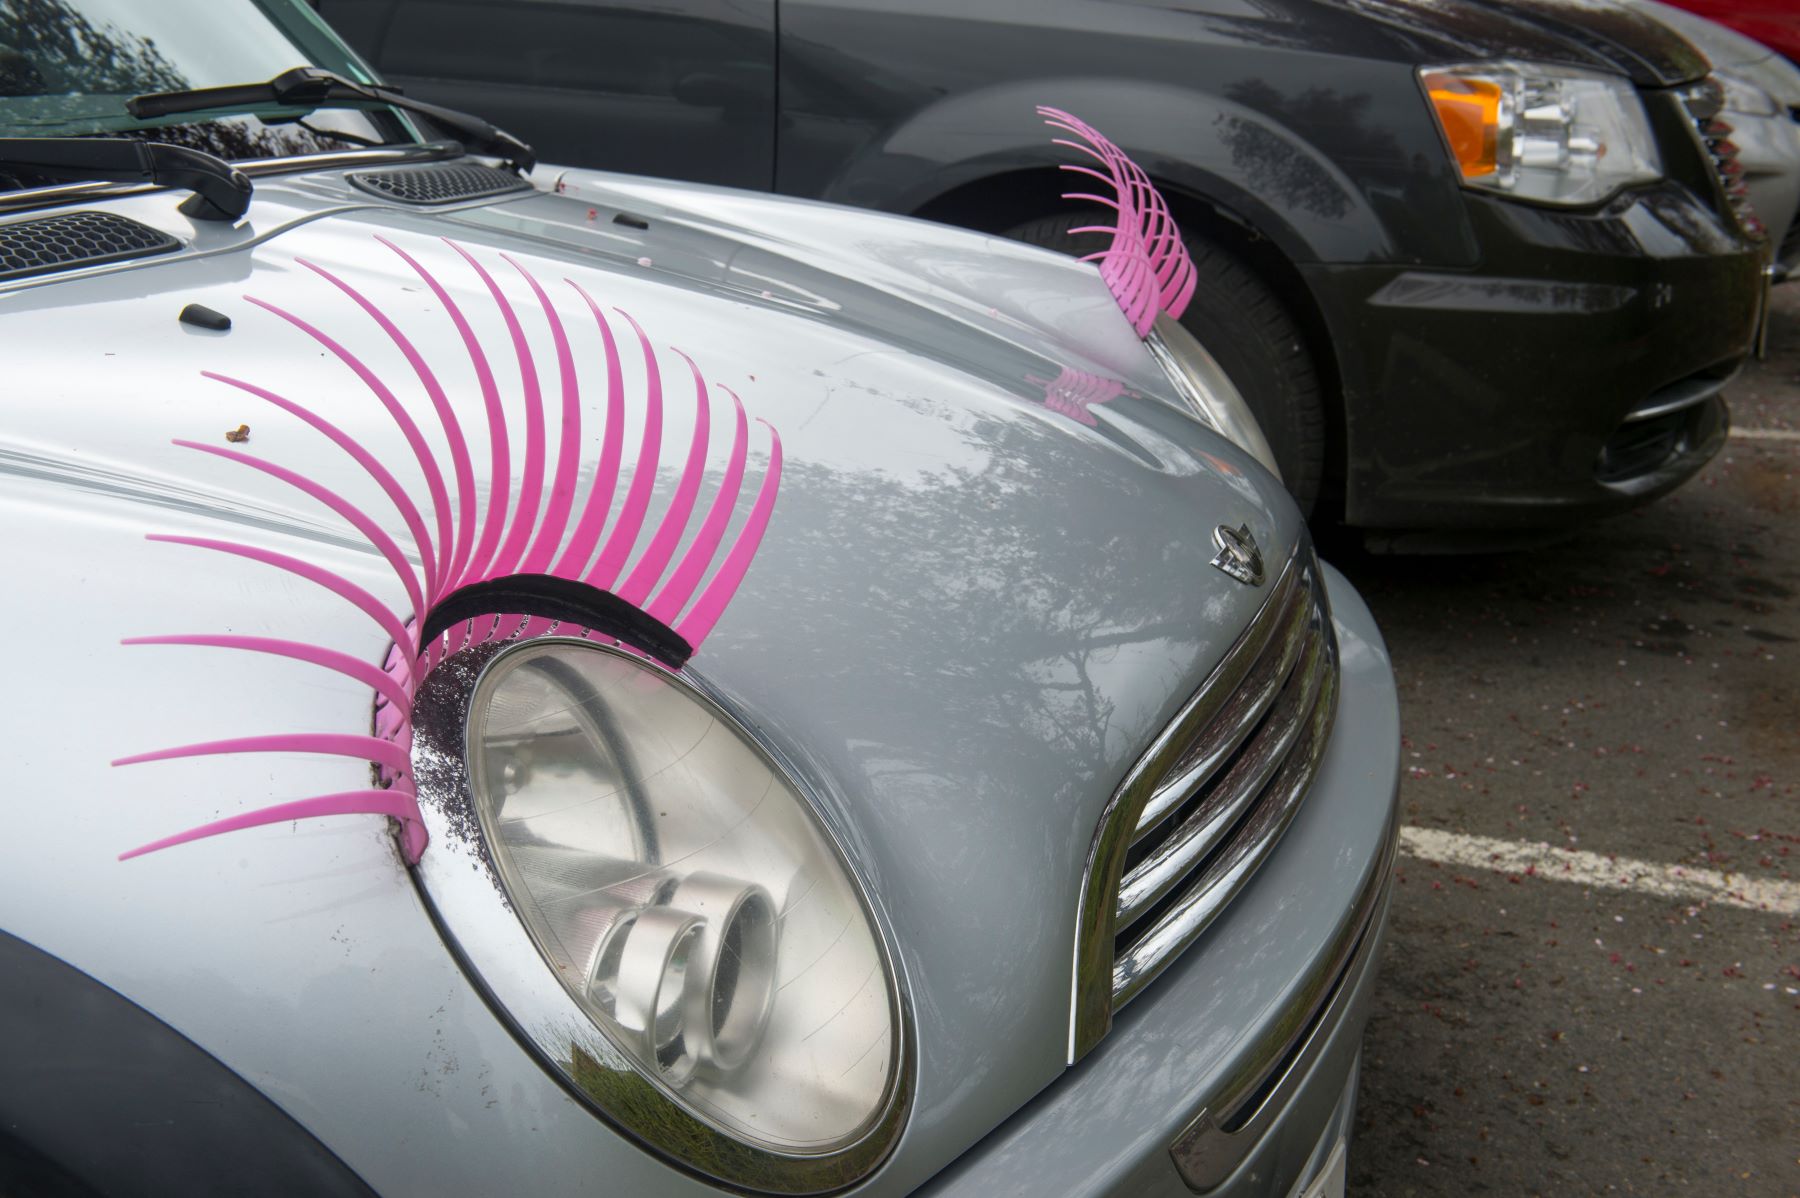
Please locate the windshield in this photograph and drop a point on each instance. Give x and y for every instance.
(68, 66)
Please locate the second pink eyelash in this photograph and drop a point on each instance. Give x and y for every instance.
(1146, 266)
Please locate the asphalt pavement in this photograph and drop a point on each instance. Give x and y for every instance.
(1618, 1013)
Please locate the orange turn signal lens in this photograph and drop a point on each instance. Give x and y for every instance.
(1469, 111)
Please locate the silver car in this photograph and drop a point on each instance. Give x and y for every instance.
(539, 680)
(1762, 105)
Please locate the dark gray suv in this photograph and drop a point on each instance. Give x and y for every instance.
(1473, 265)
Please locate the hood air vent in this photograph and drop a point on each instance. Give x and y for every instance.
(443, 184)
(35, 247)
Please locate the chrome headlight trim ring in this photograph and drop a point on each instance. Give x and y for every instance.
(1206, 389)
(460, 882)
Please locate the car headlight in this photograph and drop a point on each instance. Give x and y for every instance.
(1545, 133)
(1205, 387)
(685, 945)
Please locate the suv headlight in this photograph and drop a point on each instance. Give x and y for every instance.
(1545, 133)
(1205, 387)
(685, 944)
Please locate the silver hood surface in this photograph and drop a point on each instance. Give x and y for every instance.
(971, 613)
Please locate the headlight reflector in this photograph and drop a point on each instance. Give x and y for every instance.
(700, 926)
(1545, 133)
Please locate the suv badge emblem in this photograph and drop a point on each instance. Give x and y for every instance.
(1238, 555)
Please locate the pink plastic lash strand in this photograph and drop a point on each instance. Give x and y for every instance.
(711, 604)
(358, 518)
(390, 485)
(655, 558)
(346, 664)
(396, 804)
(331, 744)
(574, 559)
(531, 482)
(434, 480)
(499, 450)
(390, 623)
(568, 456)
(643, 475)
(459, 457)
(680, 588)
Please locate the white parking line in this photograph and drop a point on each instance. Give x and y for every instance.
(1767, 434)
(1519, 857)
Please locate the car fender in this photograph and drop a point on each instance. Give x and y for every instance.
(1265, 174)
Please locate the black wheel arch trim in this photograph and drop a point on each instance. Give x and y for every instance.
(98, 1096)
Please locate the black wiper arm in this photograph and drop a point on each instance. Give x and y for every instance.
(221, 191)
(310, 87)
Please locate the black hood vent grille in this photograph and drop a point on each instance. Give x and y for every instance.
(49, 243)
(442, 184)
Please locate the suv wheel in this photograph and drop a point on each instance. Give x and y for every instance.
(1246, 327)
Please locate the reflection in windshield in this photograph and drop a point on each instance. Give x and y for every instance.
(68, 66)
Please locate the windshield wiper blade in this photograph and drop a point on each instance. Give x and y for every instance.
(311, 87)
(221, 191)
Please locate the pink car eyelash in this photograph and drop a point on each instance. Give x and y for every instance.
(1146, 266)
(459, 557)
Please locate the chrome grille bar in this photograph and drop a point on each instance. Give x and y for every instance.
(1225, 875)
(1221, 809)
(1267, 651)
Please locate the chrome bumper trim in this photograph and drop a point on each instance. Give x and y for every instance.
(1218, 1139)
(1677, 396)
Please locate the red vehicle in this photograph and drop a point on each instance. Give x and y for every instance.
(1774, 23)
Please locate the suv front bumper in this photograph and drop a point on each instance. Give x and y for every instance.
(1262, 1017)
(1514, 395)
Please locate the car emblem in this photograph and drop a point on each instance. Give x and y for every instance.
(1238, 555)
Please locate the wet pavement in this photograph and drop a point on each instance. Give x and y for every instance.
(1632, 691)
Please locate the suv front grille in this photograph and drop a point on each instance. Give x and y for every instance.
(1704, 101)
(1205, 806)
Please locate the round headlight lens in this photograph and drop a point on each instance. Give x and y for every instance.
(682, 893)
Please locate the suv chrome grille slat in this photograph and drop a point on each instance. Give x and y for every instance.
(1222, 807)
(1704, 101)
(1266, 661)
(1229, 869)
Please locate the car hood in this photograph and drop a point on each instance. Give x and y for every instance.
(1596, 34)
(984, 587)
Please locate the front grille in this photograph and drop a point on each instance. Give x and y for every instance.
(439, 184)
(1203, 808)
(1704, 101)
(34, 247)
(1233, 782)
